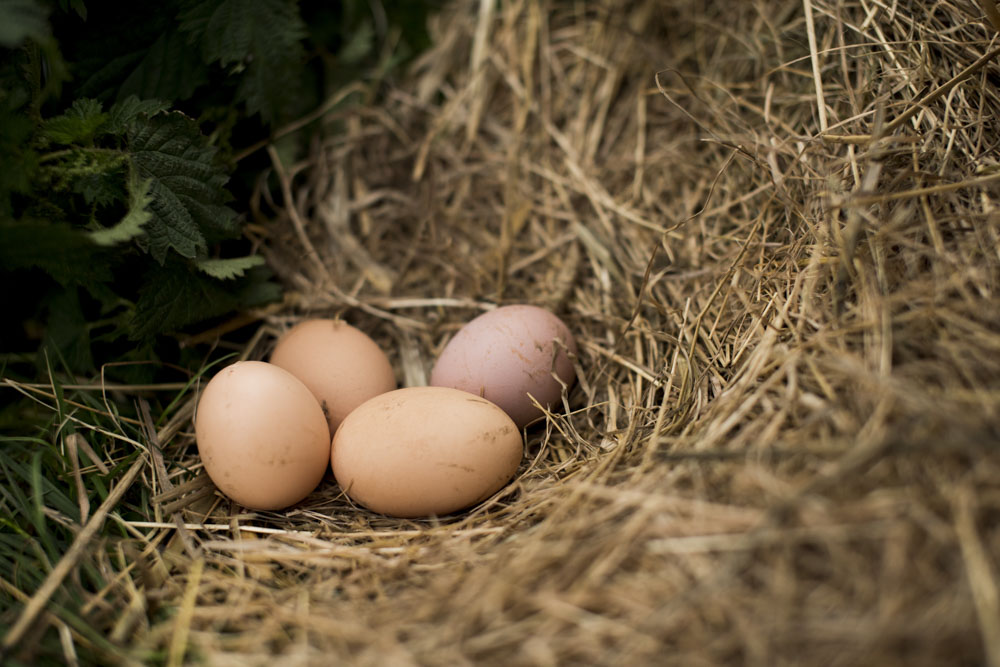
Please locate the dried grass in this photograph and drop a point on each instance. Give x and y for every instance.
(772, 226)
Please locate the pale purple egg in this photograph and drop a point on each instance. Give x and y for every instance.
(507, 356)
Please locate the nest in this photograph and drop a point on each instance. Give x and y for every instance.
(771, 227)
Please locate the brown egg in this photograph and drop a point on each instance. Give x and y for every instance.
(261, 435)
(505, 355)
(341, 365)
(425, 451)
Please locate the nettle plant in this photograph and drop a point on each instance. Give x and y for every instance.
(151, 173)
(117, 127)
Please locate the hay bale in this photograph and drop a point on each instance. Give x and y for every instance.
(772, 227)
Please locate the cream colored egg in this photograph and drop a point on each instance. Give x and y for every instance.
(340, 364)
(425, 451)
(262, 436)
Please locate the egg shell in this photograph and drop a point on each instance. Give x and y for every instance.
(341, 365)
(506, 354)
(424, 451)
(262, 436)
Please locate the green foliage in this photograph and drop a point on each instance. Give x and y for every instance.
(20, 19)
(119, 230)
(65, 254)
(67, 333)
(131, 225)
(41, 509)
(262, 41)
(156, 169)
(124, 174)
(172, 297)
(226, 269)
(186, 186)
(125, 113)
(77, 6)
(170, 69)
(78, 125)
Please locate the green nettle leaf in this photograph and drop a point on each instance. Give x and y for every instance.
(88, 171)
(264, 37)
(78, 125)
(169, 70)
(66, 330)
(264, 89)
(229, 30)
(103, 188)
(257, 288)
(124, 113)
(65, 253)
(20, 19)
(185, 184)
(174, 296)
(77, 6)
(227, 269)
(131, 225)
(101, 78)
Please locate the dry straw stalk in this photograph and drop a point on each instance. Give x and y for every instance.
(774, 228)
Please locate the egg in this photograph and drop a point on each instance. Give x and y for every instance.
(423, 451)
(340, 364)
(262, 435)
(507, 354)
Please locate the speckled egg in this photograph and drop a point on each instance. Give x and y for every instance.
(341, 365)
(262, 436)
(425, 451)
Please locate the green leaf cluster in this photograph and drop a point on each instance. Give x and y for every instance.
(110, 186)
(119, 122)
(121, 209)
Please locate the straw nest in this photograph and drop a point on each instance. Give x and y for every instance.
(772, 227)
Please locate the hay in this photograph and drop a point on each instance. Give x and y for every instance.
(771, 225)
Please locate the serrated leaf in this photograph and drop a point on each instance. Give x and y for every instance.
(185, 183)
(77, 6)
(67, 254)
(175, 295)
(264, 89)
(169, 70)
(258, 289)
(123, 113)
(78, 125)
(102, 189)
(224, 28)
(101, 77)
(265, 37)
(230, 30)
(194, 17)
(216, 221)
(92, 172)
(171, 227)
(131, 225)
(20, 19)
(227, 269)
